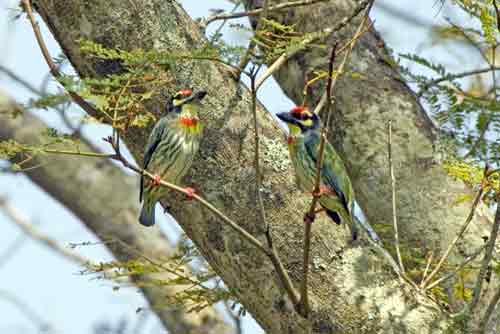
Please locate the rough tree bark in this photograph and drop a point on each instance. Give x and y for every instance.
(354, 293)
(105, 199)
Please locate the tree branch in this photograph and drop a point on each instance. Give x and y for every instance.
(256, 12)
(458, 237)
(394, 212)
(488, 256)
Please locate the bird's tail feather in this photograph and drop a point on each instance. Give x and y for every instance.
(367, 228)
(147, 216)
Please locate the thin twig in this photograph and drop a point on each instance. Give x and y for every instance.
(253, 90)
(428, 265)
(394, 212)
(245, 60)
(235, 317)
(459, 235)
(250, 238)
(451, 77)
(350, 45)
(258, 175)
(497, 12)
(52, 66)
(488, 256)
(489, 310)
(457, 269)
(310, 215)
(256, 12)
(286, 56)
(270, 253)
(159, 264)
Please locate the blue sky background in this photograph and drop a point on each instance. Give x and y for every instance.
(50, 284)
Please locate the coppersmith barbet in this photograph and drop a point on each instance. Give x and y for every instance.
(171, 148)
(337, 195)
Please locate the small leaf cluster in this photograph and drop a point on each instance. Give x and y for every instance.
(466, 105)
(277, 39)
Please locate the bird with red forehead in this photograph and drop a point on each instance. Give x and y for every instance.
(337, 196)
(172, 146)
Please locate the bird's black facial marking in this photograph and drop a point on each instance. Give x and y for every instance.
(300, 117)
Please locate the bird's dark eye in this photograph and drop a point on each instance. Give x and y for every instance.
(300, 116)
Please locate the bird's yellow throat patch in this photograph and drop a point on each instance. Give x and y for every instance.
(294, 131)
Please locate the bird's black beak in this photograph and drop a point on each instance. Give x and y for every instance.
(286, 117)
(200, 95)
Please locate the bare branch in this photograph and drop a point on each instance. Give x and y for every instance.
(256, 12)
(459, 235)
(450, 77)
(48, 59)
(489, 311)
(270, 253)
(488, 256)
(457, 269)
(429, 261)
(394, 212)
(310, 215)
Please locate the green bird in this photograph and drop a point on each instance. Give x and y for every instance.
(172, 146)
(337, 195)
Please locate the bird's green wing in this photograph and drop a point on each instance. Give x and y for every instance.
(153, 141)
(333, 173)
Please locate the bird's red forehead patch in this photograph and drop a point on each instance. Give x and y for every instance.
(298, 110)
(185, 92)
(290, 140)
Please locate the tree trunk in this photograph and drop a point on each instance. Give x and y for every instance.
(351, 290)
(105, 199)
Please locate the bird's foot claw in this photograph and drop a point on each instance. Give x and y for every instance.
(308, 218)
(156, 180)
(323, 190)
(190, 192)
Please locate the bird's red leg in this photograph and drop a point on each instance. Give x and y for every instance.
(156, 180)
(190, 192)
(323, 190)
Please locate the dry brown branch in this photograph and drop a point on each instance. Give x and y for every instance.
(310, 215)
(269, 252)
(489, 311)
(48, 59)
(488, 256)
